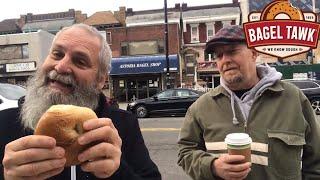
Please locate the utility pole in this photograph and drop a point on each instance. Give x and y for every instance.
(166, 43)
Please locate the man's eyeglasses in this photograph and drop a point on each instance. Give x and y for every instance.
(218, 54)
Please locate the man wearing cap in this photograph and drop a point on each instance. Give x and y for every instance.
(251, 99)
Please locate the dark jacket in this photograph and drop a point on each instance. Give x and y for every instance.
(135, 160)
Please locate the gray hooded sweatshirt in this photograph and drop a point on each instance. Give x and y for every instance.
(268, 76)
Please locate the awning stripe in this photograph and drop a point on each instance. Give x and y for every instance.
(216, 146)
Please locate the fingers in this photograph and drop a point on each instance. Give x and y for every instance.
(32, 141)
(102, 159)
(51, 173)
(232, 158)
(100, 130)
(107, 167)
(96, 123)
(36, 168)
(32, 157)
(230, 167)
(102, 150)
(33, 154)
(42, 176)
(239, 175)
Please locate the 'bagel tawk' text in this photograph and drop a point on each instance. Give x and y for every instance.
(282, 30)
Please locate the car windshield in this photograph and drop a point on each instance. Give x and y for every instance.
(12, 92)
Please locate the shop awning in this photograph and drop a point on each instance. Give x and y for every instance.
(143, 64)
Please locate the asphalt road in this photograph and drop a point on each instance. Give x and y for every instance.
(160, 135)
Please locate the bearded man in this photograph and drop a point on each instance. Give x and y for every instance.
(73, 73)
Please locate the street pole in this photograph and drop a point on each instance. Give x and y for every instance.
(166, 43)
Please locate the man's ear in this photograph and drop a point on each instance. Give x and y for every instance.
(255, 54)
(101, 82)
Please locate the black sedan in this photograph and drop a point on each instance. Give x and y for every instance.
(311, 88)
(167, 102)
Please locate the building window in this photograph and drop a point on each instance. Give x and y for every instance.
(194, 33)
(25, 51)
(161, 47)
(17, 51)
(124, 49)
(142, 48)
(210, 31)
(226, 23)
(190, 59)
(109, 39)
(208, 57)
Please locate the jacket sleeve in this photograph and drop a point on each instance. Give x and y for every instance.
(136, 163)
(192, 156)
(311, 150)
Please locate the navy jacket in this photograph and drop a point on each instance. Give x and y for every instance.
(135, 160)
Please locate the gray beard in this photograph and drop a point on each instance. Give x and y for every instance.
(234, 80)
(39, 97)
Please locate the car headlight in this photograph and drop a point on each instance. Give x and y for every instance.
(132, 104)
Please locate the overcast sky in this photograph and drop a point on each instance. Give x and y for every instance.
(14, 8)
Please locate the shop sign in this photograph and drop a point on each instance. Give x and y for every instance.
(21, 67)
(282, 30)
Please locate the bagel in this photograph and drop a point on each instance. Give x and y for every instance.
(65, 124)
(281, 7)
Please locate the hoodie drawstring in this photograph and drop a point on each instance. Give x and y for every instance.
(73, 173)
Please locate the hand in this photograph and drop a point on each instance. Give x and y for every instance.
(228, 167)
(33, 157)
(103, 158)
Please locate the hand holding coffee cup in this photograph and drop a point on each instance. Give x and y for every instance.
(239, 144)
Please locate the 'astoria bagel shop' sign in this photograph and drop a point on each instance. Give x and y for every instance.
(282, 30)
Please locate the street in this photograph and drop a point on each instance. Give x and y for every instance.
(160, 135)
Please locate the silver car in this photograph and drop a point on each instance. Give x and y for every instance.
(9, 95)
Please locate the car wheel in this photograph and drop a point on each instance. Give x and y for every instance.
(141, 111)
(315, 103)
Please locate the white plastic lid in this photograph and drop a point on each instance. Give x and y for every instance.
(238, 139)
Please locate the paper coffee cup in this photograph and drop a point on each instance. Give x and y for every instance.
(239, 144)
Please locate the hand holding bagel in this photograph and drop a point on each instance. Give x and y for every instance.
(65, 135)
(87, 140)
(33, 157)
(102, 159)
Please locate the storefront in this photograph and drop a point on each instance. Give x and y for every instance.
(17, 73)
(207, 74)
(141, 76)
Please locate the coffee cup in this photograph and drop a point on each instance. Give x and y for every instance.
(239, 144)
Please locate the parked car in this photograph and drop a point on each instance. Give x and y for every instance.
(311, 88)
(9, 95)
(167, 102)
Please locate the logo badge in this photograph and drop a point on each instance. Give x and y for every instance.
(282, 30)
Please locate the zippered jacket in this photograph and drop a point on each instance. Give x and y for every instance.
(135, 163)
(281, 123)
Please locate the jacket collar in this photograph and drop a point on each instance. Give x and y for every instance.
(277, 87)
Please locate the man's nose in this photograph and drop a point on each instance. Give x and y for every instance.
(64, 65)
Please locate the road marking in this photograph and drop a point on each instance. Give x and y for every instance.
(160, 129)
